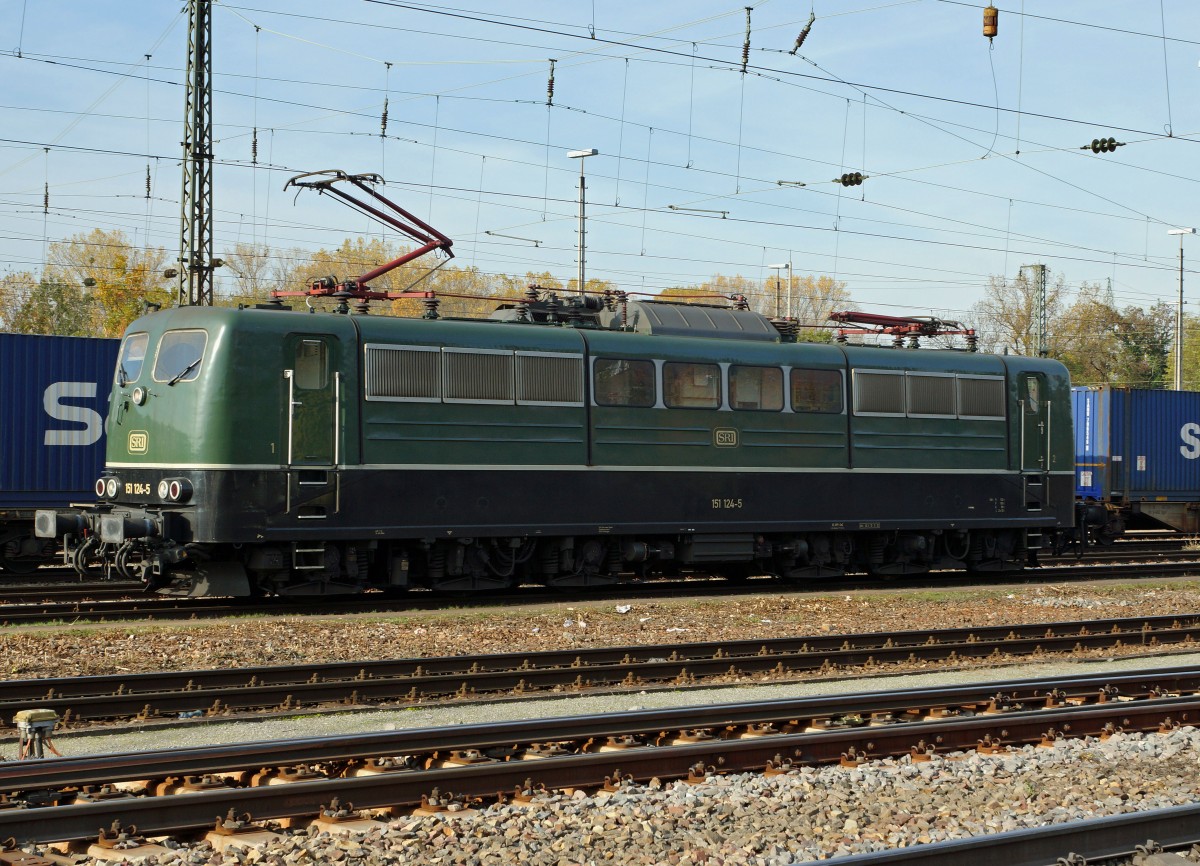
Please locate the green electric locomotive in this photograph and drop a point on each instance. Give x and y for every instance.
(267, 451)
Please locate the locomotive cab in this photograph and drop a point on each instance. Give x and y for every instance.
(212, 426)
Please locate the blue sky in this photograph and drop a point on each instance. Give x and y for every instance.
(905, 92)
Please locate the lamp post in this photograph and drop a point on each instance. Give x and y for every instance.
(581, 155)
(777, 268)
(1178, 383)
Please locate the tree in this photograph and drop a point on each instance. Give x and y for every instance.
(1098, 343)
(1085, 336)
(119, 277)
(1145, 338)
(812, 300)
(1191, 351)
(1007, 315)
(15, 288)
(257, 270)
(54, 308)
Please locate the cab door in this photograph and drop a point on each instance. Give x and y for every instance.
(1035, 445)
(1035, 423)
(314, 436)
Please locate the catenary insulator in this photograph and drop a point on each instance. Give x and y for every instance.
(746, 44)
(550, 85)
(383, 118)
(991, 22)
(812, 16)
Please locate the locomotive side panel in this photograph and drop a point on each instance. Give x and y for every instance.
(328, 453)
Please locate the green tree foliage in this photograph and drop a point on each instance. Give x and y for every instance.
(55, 308)
(1146, 338)
(117, 276)
(1099, 343)
(30, 306)
(1191, 352)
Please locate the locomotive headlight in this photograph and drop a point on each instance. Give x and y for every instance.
(175, 489)
(100, 488)
(139, 395)
(110, 487)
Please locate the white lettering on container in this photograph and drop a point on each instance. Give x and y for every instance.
(93, 424)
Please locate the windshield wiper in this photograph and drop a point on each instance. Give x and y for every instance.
(184, 372)
(122, 376)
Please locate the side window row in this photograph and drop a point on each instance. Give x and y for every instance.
(687, 385)
(433, 374)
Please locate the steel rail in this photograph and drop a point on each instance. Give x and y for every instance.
(427, 680)
(1094, 839)
(100, 769)
(777, 751)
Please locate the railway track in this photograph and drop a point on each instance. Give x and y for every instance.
(208, 694)
(181, 790)
(84, 610)
(1107, 840)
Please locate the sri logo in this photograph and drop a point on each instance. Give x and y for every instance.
(139, 441)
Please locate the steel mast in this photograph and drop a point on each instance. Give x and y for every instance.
(196, 219)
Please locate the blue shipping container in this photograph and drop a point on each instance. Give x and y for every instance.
(53, 399)
(1136, 444)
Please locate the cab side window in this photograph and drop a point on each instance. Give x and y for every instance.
(133, 357)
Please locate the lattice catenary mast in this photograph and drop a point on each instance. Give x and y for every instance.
(196, 261)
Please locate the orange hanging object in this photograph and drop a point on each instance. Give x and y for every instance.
(991, 22)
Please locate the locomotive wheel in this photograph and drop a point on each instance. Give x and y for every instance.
(18, 566)
(740, 572)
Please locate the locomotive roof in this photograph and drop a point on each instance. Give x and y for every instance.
(699, 320)
(678, 329)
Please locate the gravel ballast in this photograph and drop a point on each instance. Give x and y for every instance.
(814, 813)
(752, 820)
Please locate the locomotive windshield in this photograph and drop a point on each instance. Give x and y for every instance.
(133, 353)
(179, 356)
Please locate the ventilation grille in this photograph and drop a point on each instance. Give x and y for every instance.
(479, 377)
(550, 379)
(931, 395)
(878, 393)
(981, 398)
(403, 374)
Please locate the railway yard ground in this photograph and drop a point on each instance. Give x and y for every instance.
(811, 812)
(258, 638)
